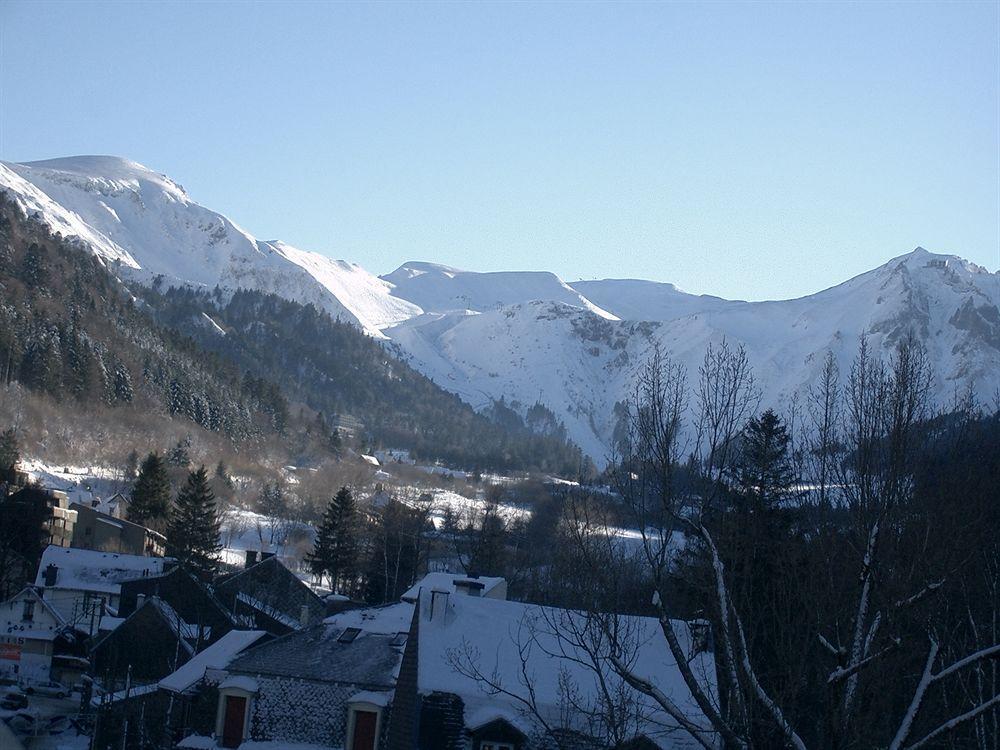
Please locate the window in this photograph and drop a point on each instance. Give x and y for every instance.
(349, 635)
(29, 611)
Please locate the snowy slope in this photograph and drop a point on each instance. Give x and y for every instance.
(526, 336)
(636, 299)
(580, 364)
(440, 289)
(146, 225)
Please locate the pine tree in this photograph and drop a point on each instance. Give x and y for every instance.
(193, 533)
(272, 500)
(764, 475)
(123, 384)
(222, 474)
(150, 502)
(131, 468)
(179, 455)
(335, 552)
(34, 269)
(336, 444)
(9, 455)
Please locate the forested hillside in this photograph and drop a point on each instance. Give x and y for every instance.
(336, 369)
(71, 331)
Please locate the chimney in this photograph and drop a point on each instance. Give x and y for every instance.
(439, 604)
(50, 575)
(304, 615)
(251, 558)
(140, 599)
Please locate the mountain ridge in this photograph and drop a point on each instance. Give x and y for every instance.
(527, 336)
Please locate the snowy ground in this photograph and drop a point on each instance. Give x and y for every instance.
(81, 483)
(35, 724)
(244, 530)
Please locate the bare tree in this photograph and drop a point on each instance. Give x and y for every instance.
(869, 454)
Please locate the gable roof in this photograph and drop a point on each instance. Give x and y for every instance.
(450, 582)
(162, 586)
(183, 631)
(370, 660)
(90, 570)
(216, 656)
(491, 632)
(272, 589)
(29, 592)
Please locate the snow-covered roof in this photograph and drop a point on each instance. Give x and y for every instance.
(490, 632)
(216, 656)
(133, 692)
(107, 623)
(240, 682)
(451, 582)
(386, 620)
(358, 647)
(267, 609)
(90, 570)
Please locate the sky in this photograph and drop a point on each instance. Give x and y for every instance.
(750, 150)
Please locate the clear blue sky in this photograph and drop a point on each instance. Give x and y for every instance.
(748, 150)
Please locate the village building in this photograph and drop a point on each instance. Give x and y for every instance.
(182, 703)
(266, 595)
(84, 585)
(29, 629)
(148, 645)
(187, 594)
(103, 532)
(328, 686)
(393, 678)
(491, 674)
(59, 517)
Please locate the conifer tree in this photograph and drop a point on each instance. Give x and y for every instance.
(131, 468)
(764, 473)
(179, 455)
(193, 533)
(123, 384)
(34, 269)
(335, 552)
(222, 474)
(150, 501)
(9, 455)
(336, 444)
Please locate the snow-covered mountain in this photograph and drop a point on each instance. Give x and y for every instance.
(527, 336)
(145, 225)
(580, 364)
(440, 289)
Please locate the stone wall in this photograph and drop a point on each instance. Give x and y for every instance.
(292, 710)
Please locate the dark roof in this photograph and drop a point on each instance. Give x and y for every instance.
(271, 588)
(185, 593)
(317, 653)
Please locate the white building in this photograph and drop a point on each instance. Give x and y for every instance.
(29, 626)
(83, 584)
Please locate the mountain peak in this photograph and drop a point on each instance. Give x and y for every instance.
(101, 170)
